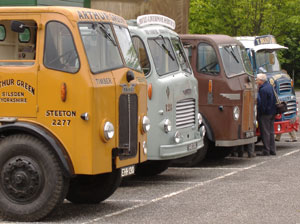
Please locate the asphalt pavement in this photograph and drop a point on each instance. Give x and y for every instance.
(233, 190)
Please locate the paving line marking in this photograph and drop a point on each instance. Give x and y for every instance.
(185, 189)
(205, 168)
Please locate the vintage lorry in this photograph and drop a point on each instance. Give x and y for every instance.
(172, 93)
(227, 93)
(262, 54)
(73, 100)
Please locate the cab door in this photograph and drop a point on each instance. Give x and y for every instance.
(19, 66)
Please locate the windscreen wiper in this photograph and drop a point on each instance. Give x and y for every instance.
(107, 35)
(163, 46)
(231, 53)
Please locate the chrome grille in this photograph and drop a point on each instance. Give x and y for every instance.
(185, 113)
(285, 87)
(292, 108)
(128, 124)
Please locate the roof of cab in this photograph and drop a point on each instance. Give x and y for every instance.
(219, 39)
(73, 13)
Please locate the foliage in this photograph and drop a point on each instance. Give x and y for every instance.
(280, 18)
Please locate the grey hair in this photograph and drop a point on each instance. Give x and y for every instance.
(262, 76)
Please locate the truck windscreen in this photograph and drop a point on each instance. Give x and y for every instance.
(181, 55)
(100, 46)
(232, 60)
(163, 55)
(127, 47)
(267, 62)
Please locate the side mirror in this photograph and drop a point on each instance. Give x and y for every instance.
(17, 26)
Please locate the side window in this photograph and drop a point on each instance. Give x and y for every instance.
(207, 61)
(25, 36)
(60, 52)
(142, 54)
(17, 49)
(2, 33)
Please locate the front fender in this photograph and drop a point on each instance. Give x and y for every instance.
(42, 134)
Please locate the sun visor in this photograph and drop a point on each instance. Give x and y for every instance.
(272, 47)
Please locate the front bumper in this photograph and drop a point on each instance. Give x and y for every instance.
(180, 150)
(237, 142)
(281, 127)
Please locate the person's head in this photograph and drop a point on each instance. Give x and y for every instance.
(261, 78)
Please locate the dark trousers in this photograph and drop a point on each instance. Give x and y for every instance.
(266, 126)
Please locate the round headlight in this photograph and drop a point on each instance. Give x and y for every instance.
(109, 130)
(236, 113)
(199, 119)
(177, 137)
(167, 125)
(146, 124)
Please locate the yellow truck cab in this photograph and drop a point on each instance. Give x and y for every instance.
(73, 105)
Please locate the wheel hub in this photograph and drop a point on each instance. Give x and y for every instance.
(21, 179)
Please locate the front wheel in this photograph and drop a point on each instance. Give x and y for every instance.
(92, 189)
(32, 183)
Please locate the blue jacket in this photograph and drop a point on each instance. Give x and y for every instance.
(266, 100)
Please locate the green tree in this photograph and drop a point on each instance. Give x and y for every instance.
(280, 18)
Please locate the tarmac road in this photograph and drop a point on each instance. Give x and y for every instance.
(233, 190)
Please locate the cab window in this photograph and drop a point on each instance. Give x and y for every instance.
(207, 61)
(17, 49)
(60, 52)
(142, 54)
(181, 56)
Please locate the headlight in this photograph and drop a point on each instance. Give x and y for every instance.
(177, 137)
(236, 113)
(109, 130)
(199, 119)
(167, 125)
(146, 124)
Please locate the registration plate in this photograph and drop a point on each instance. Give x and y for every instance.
(127, 171)
(192, 146)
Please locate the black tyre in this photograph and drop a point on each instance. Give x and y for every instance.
(218, 152)
(92, 189)
(151, 167)
(32, 183)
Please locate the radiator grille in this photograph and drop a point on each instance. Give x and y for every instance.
(128, 123)
(285, 87)
(292, 108)
(185, 113)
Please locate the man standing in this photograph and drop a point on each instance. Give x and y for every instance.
(266, 110)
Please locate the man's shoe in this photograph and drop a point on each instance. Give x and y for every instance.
(290, 140)
(273, 153)
(277, 140)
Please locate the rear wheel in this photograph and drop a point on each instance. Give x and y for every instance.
(152, 167)
(92, 189)
(32, 183)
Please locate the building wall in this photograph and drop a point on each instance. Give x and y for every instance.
(131, 9)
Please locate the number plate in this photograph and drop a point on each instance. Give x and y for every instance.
(192, 146)
(127, 171)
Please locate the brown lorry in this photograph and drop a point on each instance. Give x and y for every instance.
(226, 93)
